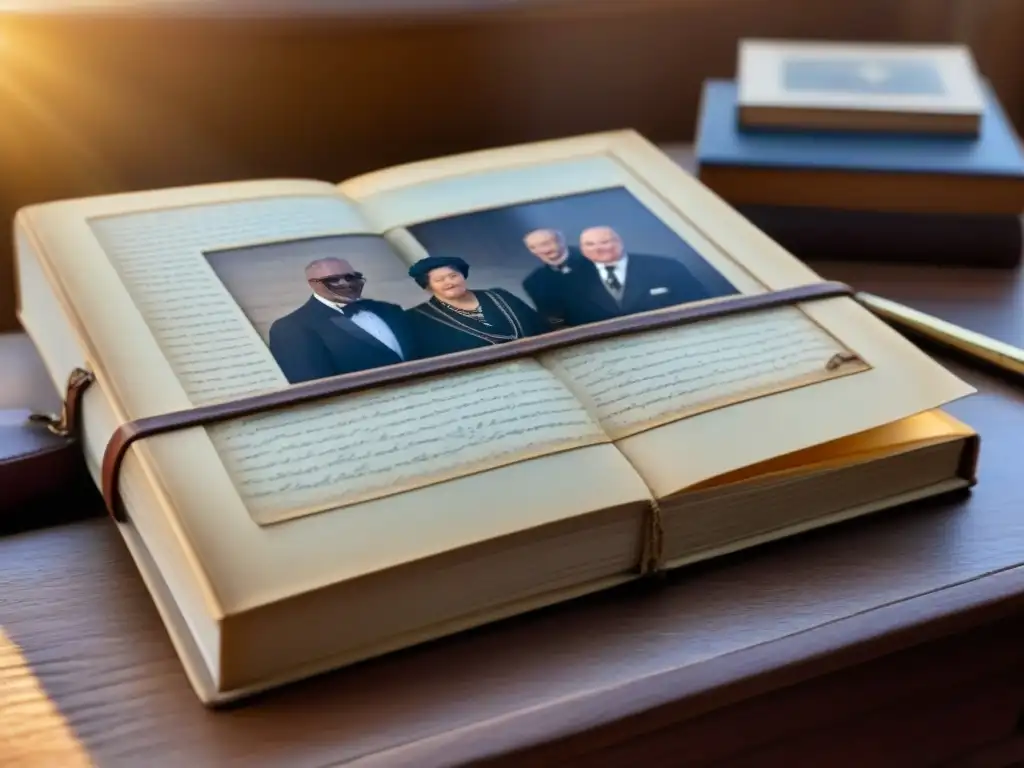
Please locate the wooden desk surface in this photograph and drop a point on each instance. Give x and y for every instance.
(582, 676)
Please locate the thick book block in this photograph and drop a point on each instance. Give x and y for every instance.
(858, 171)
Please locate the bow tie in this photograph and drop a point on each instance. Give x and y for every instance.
(359, 305)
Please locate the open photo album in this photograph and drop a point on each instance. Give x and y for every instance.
(349, 418)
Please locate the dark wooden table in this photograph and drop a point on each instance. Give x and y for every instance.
(894, 640)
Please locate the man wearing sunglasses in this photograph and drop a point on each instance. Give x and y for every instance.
(338, 331)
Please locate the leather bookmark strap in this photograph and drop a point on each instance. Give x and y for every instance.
(214, 413)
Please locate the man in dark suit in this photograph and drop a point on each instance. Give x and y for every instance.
(610, 282)
(337, 331)
(548, 285)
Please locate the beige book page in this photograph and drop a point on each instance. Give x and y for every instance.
(486, 451)
(684, 404)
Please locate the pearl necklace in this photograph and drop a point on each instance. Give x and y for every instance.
(436, 313)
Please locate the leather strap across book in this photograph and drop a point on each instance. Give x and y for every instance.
(149, 426)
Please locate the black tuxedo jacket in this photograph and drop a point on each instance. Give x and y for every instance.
(580, 297)
(548, 287)
(316, 341)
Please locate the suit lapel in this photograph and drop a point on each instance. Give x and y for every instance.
(336, 320)
(394, 316)
(634, 287)
(597, 290)
(399, 324)
(348, 326)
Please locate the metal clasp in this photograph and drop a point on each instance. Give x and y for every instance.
(65, 424)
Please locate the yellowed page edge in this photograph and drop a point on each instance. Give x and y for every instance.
(925, 428)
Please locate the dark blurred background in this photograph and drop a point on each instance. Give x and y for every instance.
(151, 94)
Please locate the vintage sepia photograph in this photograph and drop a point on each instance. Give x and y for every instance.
(576, 259)
(329, 306)
(867, 75)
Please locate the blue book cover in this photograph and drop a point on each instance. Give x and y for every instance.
(720, 141)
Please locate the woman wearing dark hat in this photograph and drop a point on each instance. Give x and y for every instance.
(455, 319)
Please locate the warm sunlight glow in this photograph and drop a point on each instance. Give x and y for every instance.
(36, 89)
(79, 113)
(38, 6)
(32, 730)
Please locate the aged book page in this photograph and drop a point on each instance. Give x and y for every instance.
(666, 375)
(400, 438)
(164, 334)
(684, 404)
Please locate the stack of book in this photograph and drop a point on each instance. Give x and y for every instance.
(866, 152)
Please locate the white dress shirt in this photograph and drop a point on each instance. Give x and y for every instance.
(370, 323)
(618, 268)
